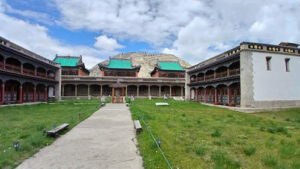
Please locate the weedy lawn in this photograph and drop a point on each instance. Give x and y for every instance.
(27, 123)
(197, 136)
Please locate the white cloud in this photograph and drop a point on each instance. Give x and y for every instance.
(108, 44)
(153, 21)
(35, 38)
(229, 24)
(37, 16)
(192, 29)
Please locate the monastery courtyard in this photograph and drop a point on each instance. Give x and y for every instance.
(191, 135)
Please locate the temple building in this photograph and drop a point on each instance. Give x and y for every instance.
(119, 67)
(251, 75)
(168, 70)
(26, 76)
(71, 65)
(129, 75)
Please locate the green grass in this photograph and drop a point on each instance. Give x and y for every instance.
(196, 136)
(27, 123)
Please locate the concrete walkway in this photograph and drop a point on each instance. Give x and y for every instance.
(106, 140)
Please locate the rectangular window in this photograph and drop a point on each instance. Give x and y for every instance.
(287, 64)
(268, 61)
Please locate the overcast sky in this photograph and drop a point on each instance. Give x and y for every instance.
(193, 30)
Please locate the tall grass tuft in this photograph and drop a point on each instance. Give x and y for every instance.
(270, 161)
(223, 161)
(249, 150)
(217, 133)
(200, 150)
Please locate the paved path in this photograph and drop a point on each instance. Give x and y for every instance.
(103, 141)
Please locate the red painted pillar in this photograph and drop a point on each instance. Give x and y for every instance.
(45, 94)
(204, 97)
(35, 71)
(4, 63)
(216, 96)
(22, 68)
(34, 94)
(20, 94)
(229, 96)
(2, 92)
(196, 97)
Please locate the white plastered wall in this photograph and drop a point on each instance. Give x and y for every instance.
(276, 84)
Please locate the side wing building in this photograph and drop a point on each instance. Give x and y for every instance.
(251, 75)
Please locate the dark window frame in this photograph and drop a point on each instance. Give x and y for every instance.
(287, 64)
(268, 63)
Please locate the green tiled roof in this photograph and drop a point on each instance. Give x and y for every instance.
(119, 64)
(170, 66)
(67, 61)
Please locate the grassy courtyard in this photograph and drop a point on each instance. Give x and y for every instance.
(196, 136)
(27, 123)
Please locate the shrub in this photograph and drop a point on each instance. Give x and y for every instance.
(216, 133)
(249, 150)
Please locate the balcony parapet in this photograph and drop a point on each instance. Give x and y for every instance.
(121, 79)
(23, 71)
(220, 75)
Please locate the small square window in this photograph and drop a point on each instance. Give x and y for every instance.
(268, 61)
(287, 64)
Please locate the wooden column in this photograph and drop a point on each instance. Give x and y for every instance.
(112, 94)
(159, 91)
(45, 94)
(227, 72)
(2, 92)
(126, 91)
(62, 90)
(34, 94)
(101, 90)
(196, 95)
(229, 96)
(21, 68)
(204, 97)
(20, 100)
(138, 90)
(216, 96)
(149, 93)
(170, 90)
(4, 63)
(181, 91)
(76, 90)
(88, 90)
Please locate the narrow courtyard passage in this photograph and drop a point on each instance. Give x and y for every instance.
(103, 141)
